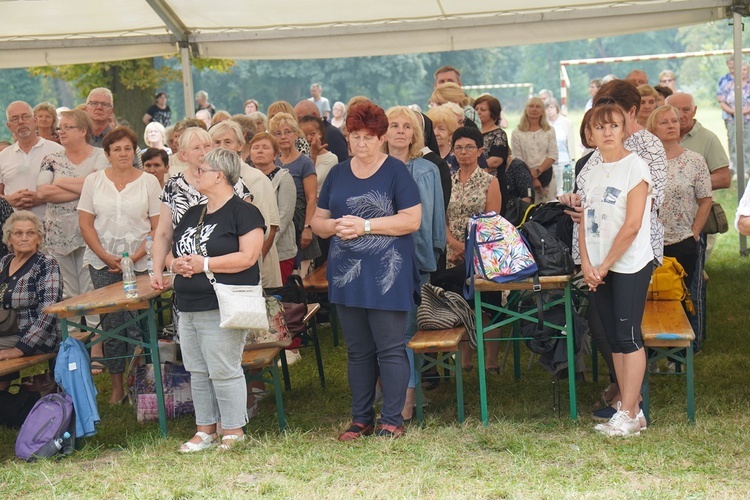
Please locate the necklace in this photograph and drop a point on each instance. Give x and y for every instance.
(611, 169)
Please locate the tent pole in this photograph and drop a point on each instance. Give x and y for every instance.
(739, 165)
(187, 80)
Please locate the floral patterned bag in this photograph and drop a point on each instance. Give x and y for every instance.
(495, 251)
(277, 334)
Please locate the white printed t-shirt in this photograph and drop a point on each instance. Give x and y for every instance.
(605, 203)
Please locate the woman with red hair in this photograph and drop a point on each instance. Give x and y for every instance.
(369, 206)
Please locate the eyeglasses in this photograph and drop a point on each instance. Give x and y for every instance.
(468, 149)
(362, 138)
(284, 133)
(15, 119)
(202, 171)
(66, 128)
(97, 104)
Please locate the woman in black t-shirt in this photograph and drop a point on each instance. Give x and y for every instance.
(224, 236)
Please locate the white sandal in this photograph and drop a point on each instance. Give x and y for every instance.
(231, 441)
(207, 441)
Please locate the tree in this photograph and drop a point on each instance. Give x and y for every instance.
(133, 82)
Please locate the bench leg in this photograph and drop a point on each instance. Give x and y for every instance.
(459, 383)
(277, 392)
(690, 386)
(645, 391)
(285, 371)
(318, 354)
(418, 363)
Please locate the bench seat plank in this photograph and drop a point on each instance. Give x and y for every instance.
(260, 358)
(17, 364)
(436, 340)
(666, 325)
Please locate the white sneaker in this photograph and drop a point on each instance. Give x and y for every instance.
(642, 419)
(621, 425)
(291, 357)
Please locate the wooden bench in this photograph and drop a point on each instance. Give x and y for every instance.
(262, 364)
(438, 348)
(309, 337)
(8, 366)
(667, 334)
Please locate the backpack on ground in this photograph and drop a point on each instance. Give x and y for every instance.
(551, 255)
(495, 251)
(48, 430)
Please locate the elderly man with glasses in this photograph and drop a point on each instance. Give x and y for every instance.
(21, 163)
(100, 107)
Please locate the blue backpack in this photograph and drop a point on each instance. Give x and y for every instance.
(48, 430)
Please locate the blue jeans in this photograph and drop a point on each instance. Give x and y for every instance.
(375, 336)
(213, 356)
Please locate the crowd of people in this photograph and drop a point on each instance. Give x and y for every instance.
(382, 196)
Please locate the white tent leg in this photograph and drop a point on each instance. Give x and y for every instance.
(187, 80)
(739, 160)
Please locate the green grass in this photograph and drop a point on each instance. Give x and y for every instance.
(527, 451)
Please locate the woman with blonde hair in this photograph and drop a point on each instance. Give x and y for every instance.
(338, 118)
(451, 92)
(444, 123)
(284, 128)
(155, 136)
(277, 107)
(534, 141)
(46, 121)
(404, 141)
(59, 184)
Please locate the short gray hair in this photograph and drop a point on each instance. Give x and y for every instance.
(202, 93)
(102, 90)
(23, 216)
(226, 161)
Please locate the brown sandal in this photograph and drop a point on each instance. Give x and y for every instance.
(356, 430)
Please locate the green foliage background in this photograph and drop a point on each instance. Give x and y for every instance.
(389, 80)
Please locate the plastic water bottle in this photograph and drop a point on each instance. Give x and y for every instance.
(149, 257)
(128, 276)
(59, 441)
(568, 170)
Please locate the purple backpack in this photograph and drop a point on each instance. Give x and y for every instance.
(48, 430)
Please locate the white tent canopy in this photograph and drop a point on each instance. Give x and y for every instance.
(55, 32)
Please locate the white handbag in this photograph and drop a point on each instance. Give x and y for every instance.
(241, 307)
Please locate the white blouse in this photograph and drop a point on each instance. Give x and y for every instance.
(121, 218)
(534, 147)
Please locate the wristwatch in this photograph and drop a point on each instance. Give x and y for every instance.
(367, 226)
(205, 264)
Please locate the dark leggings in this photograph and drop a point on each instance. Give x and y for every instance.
(686, 253)
(375, 338)
(620, 302)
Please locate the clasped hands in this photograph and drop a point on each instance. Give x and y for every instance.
(594, 276)
(349, 227)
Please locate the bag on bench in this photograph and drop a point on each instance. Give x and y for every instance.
(668, 283)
